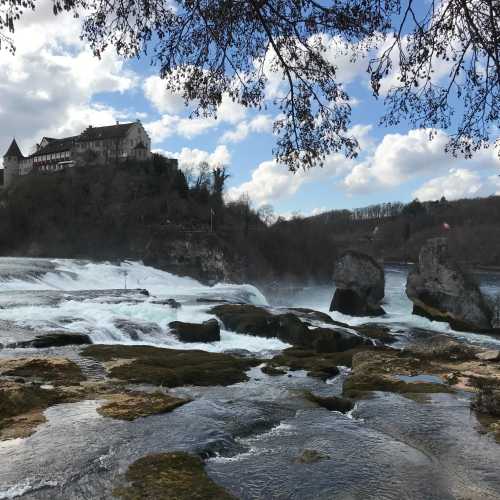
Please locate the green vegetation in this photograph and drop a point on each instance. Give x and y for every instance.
(170, 476)
(169, 367)
(132, 405)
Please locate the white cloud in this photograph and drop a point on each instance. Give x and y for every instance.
(190, 159)
(402, 157)
(259, 124)
(459, 183)
(48, 86)
(271, 182)
(163, 100)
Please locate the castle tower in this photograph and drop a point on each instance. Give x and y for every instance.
(11, 161)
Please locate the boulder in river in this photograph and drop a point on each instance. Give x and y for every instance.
(208, 331)
(440, 290)
(360, 285)
(53, 339)
(288, 327)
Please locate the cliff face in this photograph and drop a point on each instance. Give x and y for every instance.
(203, 257)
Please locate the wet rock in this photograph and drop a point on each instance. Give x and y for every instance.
(312, 315)
(490, 355)
(487, 401)
(442, 347)
(21, 408)
(168, 476)
(323, 366)
(168, 302)
(132, 405)
(272, 371)
(377, 371)
(60, 371)
(287, 327)
(440, 290)
(360, 284)
(253, 320)
(135, 329)
(311, 457)
(208, 331)
(170, 367)
(54, 339)
(328, 340)
(376, 332)
(332, 403)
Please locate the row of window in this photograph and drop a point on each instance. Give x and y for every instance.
(52, 156)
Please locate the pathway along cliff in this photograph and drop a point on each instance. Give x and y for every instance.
(139, 413)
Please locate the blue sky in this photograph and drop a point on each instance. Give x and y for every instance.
(54, 87)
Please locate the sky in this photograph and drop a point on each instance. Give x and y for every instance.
(53, 86)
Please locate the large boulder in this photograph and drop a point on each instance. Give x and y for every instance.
(360, 285)
(288, 327)
(440, 290)
(209, 331)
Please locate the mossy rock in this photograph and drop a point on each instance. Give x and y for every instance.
(376, 370)
(170, 367)
(132, 405)
(272, 371)
(22, 406)
(170, 476)
(319, 365)
(56, 370)
(377, 332)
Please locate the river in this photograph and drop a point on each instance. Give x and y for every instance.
(251, 433)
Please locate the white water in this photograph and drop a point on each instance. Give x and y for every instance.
(88, 297)
(397, 306)
(39, 294)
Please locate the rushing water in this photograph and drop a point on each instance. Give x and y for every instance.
(388, 447)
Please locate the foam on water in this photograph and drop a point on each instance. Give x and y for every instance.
(99, 316)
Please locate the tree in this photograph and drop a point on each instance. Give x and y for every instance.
(219, 178)
(211, 49)
(266, 214)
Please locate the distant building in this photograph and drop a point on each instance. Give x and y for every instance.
(95, 145)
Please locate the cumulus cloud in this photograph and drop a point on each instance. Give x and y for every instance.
(401, 157)
(48, 87)
(190, 159)
(259, 124)
(458, 183)
(271, 182)
(161, 98)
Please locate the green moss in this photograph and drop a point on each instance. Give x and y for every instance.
(169, 367)
(60, 371)
(24, 399)
(170, 476)
(375, 370)
(130, 406)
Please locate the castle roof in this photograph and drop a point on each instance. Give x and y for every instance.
(117, 131)
(14, 150)
(56, 146)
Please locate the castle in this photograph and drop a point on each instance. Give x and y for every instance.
(95, 145)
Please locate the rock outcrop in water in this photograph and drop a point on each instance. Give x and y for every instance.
(208, 331)
(287, 327)
(360, 285)
(441, 291)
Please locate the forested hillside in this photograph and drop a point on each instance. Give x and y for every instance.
(154, 212)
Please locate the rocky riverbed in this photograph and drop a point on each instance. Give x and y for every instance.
(289, 403)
